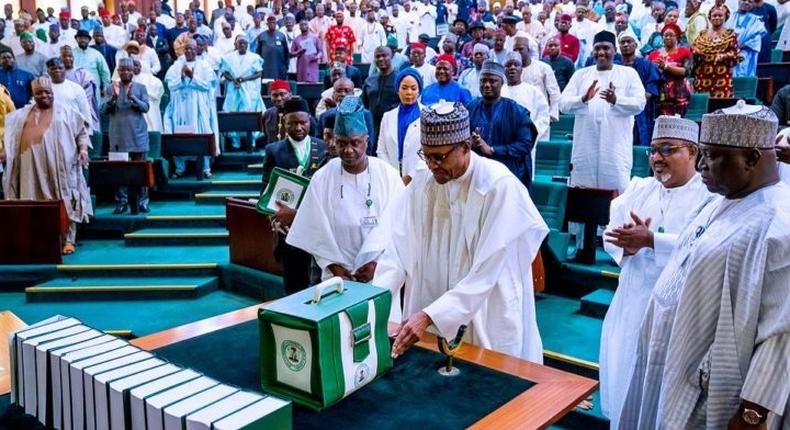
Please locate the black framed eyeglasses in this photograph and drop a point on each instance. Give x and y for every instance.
(664, 150)
(435, 158)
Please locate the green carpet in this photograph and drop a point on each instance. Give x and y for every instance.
(174, 207)
(142, 317)
(412, 394)
(564, 330)
(115, 252)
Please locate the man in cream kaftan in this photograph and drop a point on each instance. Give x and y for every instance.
(603, 128)
(155, 89)
(46, 147)
(642, 251)
(340, 219)
(457, 249)
(714, 344)
(242, 71)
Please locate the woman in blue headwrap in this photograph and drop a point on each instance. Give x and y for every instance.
(399, 139)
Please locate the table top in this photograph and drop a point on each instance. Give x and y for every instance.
(554, 393)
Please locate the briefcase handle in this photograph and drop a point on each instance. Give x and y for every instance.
(318, 290)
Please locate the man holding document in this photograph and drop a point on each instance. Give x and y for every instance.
(340, 219)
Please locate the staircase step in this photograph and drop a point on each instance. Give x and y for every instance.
(218, 197)
(123, 288)
(177, 236)
(255, 169)
(193, 221)
(165, 270)
(236, 160)
(596, 303)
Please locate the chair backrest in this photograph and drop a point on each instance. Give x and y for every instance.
(698, 106)
(550, 198)
(744, 87)
(641, 166)
(562, 128)
(776, 55)
(553, 159)
(154, 145)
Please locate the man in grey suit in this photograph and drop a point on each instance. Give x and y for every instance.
(126, 104)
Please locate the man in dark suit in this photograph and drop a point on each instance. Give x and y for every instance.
(303, 154)
(160, 46)
(107, 51)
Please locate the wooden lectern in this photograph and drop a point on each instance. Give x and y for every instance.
(190, 145)
(589, 206)
(244, 122)
(31, 231)
(114, 174)
(251, 236)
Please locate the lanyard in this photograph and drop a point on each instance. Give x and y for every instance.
(305, 158)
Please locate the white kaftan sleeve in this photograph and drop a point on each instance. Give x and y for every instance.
(631, 99)
(663, 245)
(571, 98)
(619, 211)
(458, 305)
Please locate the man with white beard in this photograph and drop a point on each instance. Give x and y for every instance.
(713, 347)
(644, 224)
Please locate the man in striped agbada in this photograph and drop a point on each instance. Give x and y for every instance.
(714, 346)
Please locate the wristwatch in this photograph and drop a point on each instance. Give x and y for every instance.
(751, 416)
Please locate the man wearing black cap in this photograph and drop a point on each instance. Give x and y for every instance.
(604, 100)
(303, 154)
(92, 62)
(509, 25)
(501, 128)
(478, 31)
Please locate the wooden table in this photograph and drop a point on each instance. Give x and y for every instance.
(554, 394)
(9, 323)
(251, 237)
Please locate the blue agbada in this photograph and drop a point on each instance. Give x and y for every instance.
(506, 127)
(18, 83)
(451, 92)
(645, 121)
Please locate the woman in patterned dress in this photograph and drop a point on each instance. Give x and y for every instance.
(715, 54)
(675, 62)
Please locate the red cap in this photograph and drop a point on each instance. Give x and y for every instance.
(65, 14)
(418, 45)
(104, 12)
(449, 58)
(279, 84)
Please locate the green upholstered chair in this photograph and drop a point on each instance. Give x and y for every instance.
(154, 145)
(698, 106)
(357, 58)
(550, 199)
(562, 129)
(744, 87)
(776, 55)
(553, 159)
(641, 166)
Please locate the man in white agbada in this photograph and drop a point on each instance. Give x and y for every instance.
(604, 99)
(456, 248)
(470, 78)
(155, 89)
(68, 93)
(242, 71)
(372, 37)
(46, 148)
(340, 219)
(540, 75)
(528, 96)
(714, 344)
(192, 106)
(644, 223)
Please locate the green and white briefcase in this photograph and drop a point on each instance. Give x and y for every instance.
(319, 346)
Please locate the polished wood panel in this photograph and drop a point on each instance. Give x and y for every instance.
(132, 173)
(251, 239)
(554, 394)
(9, 323)
(538, 274)
(31, 231)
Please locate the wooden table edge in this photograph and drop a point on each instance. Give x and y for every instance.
(538, 407)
